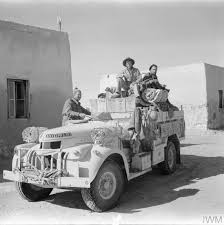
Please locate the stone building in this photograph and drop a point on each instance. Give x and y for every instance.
(197, 87)
(35, 79)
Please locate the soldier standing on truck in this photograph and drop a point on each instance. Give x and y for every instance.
(73, 110)
(127, 78)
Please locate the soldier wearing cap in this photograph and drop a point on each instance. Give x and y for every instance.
(73, 110)
(127, 78)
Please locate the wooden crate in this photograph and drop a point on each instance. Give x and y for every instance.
(166, 129)
(160, 116)
(101, 105)
(116, 105)
(93, 105)
(178, 114)
(141, 161)
(170, 128)
(130, 104)
(158, 154)
(124, 116)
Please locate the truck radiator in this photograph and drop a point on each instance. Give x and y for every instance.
(45, 168)
(52, 160)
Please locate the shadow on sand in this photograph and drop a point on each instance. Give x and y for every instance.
(154, 189)
(187, 145)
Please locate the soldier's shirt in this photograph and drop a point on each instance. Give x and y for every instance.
(149, 76)
(130, 75)
(71, 110)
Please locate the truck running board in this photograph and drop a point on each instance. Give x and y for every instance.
(137, 174)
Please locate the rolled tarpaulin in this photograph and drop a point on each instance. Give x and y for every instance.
(31, 134)
(155, 95)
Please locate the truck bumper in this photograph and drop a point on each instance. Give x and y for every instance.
(61, 182)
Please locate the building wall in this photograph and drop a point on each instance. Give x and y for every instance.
(43, 57)
(187, 86)
(214, 83)
(186, 83)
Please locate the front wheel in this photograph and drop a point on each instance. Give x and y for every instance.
(106, 188)
(170, 163)
(32, 192)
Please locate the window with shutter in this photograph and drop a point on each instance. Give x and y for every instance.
(17, 98)
(220, 99)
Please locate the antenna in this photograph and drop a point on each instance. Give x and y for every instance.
(59, 22)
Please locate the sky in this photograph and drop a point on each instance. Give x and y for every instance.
(102, 33)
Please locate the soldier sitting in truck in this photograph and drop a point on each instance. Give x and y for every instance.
(150, 80)
(73, 110)
(127, 78)
(150, 90)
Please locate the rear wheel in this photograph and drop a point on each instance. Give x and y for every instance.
(170, 163)
(32, 192)
(106, 188)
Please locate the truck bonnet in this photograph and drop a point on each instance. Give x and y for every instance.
(80, 133)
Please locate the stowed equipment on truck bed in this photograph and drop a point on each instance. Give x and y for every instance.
(147, 128)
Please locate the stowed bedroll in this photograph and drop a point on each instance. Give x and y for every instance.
(127, 137)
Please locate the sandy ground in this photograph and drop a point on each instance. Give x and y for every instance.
(191, 194)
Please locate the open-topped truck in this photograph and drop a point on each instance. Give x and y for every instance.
(99, 156)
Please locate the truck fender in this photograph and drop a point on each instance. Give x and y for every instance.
(15, 162)
(100, 154)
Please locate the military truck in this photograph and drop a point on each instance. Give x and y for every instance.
(98, 156)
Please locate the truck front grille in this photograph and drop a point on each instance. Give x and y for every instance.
(47, 162)
(45, 167)
(43, 162)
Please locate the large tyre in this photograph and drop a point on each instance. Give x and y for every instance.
(32, 192)
(169, 165)
(106, 189)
